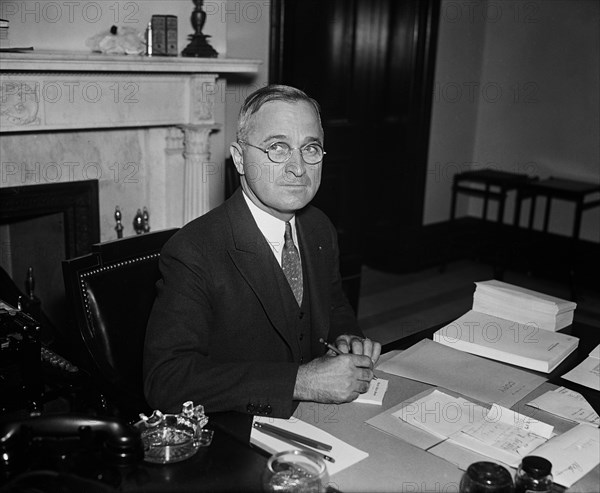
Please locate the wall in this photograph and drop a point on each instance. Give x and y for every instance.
(125, 161)
(533, 67)
(454, 109)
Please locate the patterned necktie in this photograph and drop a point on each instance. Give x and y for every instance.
(290, 263)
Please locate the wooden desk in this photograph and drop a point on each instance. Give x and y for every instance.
(395, 465)
(230, 464)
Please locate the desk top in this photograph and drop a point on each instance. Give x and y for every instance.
(563, 185)
(230, 464)
(492, 176)
(395, 465)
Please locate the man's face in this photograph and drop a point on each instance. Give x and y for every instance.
(280, 188)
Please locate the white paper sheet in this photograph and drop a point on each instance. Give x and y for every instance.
(587, 372)
(498, 433)
(568, 404)
(501, 439)
(572, 454)
(441, 414)
(375, 394)
(344, 454)
(479, 378)
(503, 435)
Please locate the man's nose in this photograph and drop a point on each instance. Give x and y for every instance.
(296, 163)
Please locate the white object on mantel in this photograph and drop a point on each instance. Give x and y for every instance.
(56, 91)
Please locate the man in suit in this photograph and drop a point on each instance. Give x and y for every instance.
(248, 289)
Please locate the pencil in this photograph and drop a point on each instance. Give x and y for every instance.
(293, 436)
(330, 346)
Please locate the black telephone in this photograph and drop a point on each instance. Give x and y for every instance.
(26, 362)
(35, 439)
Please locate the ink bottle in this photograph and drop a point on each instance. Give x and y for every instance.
(533, 475)
(486, 477)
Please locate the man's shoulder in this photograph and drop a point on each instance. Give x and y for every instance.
(204, 232)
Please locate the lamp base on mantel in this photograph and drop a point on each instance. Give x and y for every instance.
(199, 47)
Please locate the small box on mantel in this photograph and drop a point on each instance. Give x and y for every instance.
(164, 35)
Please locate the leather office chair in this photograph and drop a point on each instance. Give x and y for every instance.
(111, 292)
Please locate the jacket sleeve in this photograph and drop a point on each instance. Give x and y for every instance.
(178, 362)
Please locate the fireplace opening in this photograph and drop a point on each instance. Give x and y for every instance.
(40, 226)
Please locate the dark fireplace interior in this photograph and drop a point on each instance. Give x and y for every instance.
(41, 225)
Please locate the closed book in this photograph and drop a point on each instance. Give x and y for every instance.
(159, 35)
(171, 35)
(507, 341)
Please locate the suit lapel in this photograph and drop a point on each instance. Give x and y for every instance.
(254, 259)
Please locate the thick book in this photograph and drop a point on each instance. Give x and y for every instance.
(522, 305)
(507, 341)
(171, 35)
(159, 35)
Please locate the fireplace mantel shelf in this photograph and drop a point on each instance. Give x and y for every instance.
(72, 61)
(69, 91)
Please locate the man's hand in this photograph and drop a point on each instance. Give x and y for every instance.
(357, 345)
(334, 379)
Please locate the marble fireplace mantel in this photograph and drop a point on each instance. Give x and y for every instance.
(57, 92)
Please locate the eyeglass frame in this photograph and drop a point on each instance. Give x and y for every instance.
(292, 149)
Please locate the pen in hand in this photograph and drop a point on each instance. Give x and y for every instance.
(335, 350)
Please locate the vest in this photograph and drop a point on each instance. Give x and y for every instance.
(298, 317)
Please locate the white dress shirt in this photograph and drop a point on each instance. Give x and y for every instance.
(273, 229)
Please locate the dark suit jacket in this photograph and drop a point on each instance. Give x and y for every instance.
(218, 334)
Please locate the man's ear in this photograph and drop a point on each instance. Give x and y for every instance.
(238, 157)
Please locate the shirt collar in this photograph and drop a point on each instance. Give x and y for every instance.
(272, 228)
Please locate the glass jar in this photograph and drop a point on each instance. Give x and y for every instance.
(486, 477)
(295, 471)
(533, 475)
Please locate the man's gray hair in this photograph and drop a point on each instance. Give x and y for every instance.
(273, 92)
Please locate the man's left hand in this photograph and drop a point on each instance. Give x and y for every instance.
(358, 345)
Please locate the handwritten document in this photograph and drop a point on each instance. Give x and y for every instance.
(573, 454)
(512, 434)
(374, 395)
(587, 372)
(568, 404)
(479, 378)
(498, 433)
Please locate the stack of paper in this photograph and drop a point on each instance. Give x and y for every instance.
(507, 341)
(498, 433)
(522, 305)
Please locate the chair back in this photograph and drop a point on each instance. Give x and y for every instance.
(111, 292)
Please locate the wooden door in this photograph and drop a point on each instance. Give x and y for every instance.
(370, 65)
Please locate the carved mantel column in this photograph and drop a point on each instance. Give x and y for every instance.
(196, 152)
(54, 93)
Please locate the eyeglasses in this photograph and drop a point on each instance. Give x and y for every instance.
(280, 152)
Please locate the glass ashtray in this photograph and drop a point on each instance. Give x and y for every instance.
(169, 438)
